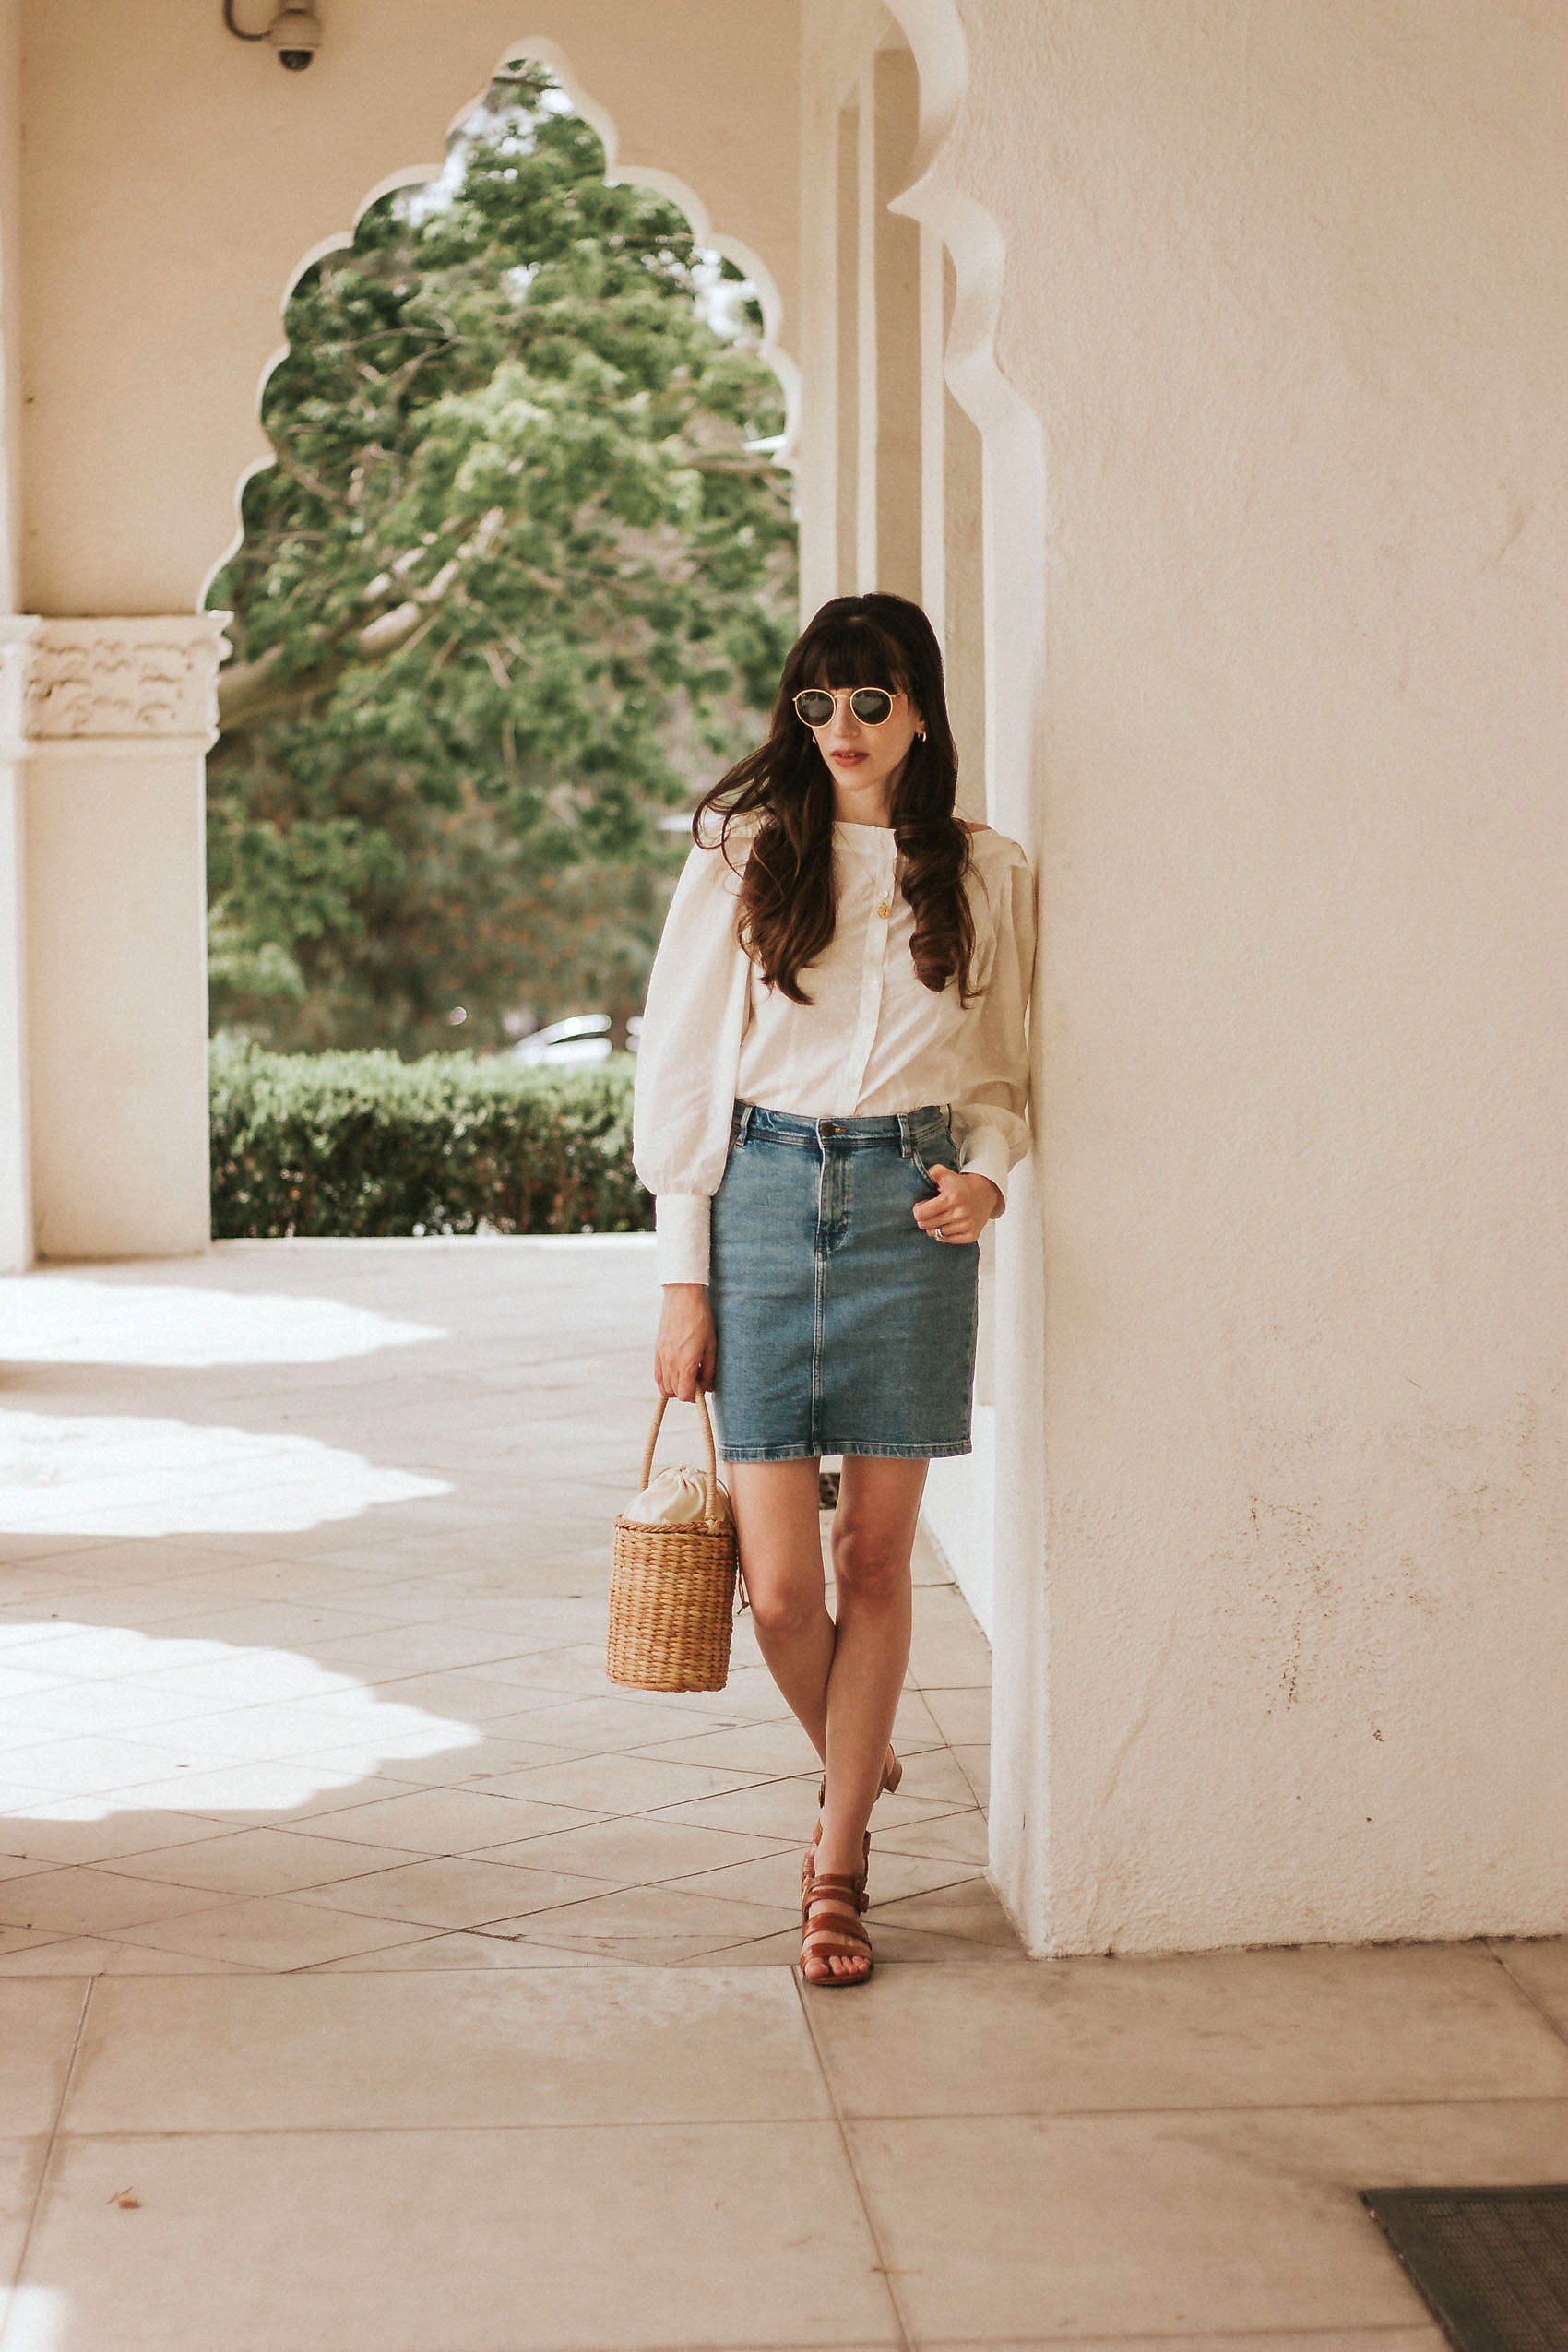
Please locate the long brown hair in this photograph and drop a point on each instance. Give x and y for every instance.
(787, 913)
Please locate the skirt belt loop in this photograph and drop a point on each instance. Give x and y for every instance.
(906, 1145)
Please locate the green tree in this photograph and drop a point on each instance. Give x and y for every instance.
(521, 576)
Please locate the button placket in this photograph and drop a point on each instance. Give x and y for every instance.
(873, 964)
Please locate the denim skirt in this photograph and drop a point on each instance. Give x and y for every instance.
(842, 1327)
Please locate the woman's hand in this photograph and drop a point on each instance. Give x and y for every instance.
(964, 1207)
(687, 1349)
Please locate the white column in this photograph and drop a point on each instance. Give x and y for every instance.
(933, 436)
(15, 1180)
(117, 717)
(847, 354)
(888, 519)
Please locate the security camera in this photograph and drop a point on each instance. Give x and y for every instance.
(295, 33)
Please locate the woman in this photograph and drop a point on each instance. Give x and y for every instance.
(831, 1086)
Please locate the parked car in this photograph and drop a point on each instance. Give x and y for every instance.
(583, 1036)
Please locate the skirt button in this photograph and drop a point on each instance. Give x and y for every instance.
(829, 1127)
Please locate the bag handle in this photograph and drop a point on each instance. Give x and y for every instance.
(711, 1482)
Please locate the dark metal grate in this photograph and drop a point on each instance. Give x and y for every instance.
(1491, 2263)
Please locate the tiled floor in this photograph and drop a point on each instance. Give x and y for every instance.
(485, 2037)
(318, 1682)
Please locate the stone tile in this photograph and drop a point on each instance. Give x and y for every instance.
(21, 2163)
(975, 1764)
(273, 1931)
(39, 2024)
(914, 1727)
(561, 1723)
(83, 1900)
(1313, 2027)
(962, 1717)
(1163, 2224)
(787, 1810)
(318, 2053)
(621, 1784)
(461, 1952)
(640, 1850)
(272, 1623)
(56, 1833)
(302, 1798)
(457, 1892)
(750, 1695)
(73, 1707)
(1540, 1968)
(494, 1758)
(932, 1777)
(23, 1939)
(903, 1947)
(260, 1862)
(446, 2240)
(573, 1670)
(959, 1838)
(761, 1748)
(445, 1821)
(776, 1877)
(968, 1908)
(469, 1697)
(90, 1767)
(782, 1811)
(83, 1956)
(1338, 2339)
(287, 1734)
(18, 1866)
(257, 1790)
(638, 1916)
(782, 1950)
(414, 1649)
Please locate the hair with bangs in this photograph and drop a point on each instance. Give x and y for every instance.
(788, 913)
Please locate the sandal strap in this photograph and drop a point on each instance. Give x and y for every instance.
(862, 1877)
(849, 1942)
(831, 1918)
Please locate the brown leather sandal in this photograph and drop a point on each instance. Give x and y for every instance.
(830, 1924)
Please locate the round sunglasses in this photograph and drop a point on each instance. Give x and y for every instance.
(873, 705)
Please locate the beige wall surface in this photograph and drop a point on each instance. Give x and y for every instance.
(1287, 285)
(176, 179)
(118, 988)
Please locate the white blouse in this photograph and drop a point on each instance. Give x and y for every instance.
(873, 1040)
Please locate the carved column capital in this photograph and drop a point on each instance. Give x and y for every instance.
(121, 686)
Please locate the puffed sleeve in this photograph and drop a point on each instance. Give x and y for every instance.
(687, 1058)
(990, 1119)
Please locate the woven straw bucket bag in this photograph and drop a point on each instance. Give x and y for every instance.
(672, 1589)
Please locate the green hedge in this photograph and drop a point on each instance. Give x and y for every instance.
(367, 1144)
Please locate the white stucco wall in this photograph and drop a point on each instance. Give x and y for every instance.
(16, 1175)
(1285, 286)
(959, 1510)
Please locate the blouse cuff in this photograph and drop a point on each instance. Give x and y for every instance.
(681, 1222)
(985, 1153)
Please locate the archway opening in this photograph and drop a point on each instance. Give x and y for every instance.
(516, 586)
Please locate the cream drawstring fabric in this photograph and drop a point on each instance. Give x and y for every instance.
(676, 1498)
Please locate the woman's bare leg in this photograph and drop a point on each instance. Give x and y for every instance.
(777, 1521)
(841, 1679)
(873, 1535)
